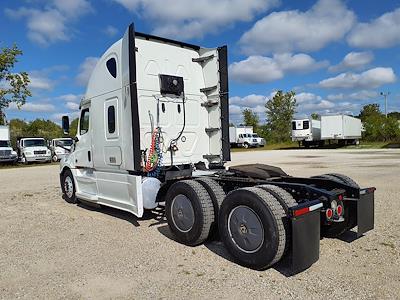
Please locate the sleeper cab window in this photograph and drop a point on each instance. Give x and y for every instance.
(111, 118)
(112, 67)
(84, 122)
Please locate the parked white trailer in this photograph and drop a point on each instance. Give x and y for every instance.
(154, 128)
(242, 136)
(7, 154)
(342, 128)
(306, 131)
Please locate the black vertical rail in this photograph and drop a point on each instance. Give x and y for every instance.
(224, 98)
(134, 100)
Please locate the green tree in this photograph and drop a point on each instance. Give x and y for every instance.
(280, 111)
(370, 110)
(394, 114)
(250, 118)
(14, 88)
(38, 128)
(373, 120)
(73, 127)
(315, 116)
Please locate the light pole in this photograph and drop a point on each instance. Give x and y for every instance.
(385, 95)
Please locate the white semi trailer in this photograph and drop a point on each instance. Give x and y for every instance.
(154, 128)
(342, 128)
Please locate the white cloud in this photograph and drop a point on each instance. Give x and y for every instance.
(40, 81)
(372, 78)
(189, 19)
(248, 101)
(383, 32)
(359, 95)
(57, 117)
(307, 97)
(353, 60)
(85, 70)
(33, 107)
(317, 106)
(49, 24)
(287, 31)
(260, 69)
(110, 31)
(70, 98)
(72, 105)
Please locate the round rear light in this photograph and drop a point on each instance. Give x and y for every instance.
(340, 197)
(339, 210)
(329, 213)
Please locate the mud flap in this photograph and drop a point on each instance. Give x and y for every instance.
(365, 211)
(305, 238)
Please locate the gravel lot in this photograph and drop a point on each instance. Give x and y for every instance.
(51, 249)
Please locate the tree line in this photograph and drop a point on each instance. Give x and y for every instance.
(38, 128)
(280, 110)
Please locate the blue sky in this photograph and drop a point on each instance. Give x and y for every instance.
(337, 55)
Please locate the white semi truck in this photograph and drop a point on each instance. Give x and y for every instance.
(242, 136)
(33, 149)
(342, 128)
(7, 153)
(154, 128)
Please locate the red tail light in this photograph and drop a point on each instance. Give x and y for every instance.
(339, 210)
(329, 213)
(340, 197)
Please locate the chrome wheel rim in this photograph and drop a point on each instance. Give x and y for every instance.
(245, 229)
(182, 213)
(68, 187)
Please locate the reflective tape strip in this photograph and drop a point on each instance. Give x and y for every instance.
(315, 206)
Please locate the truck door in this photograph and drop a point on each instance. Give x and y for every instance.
(83, 149)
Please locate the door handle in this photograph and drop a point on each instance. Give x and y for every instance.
(89, 156)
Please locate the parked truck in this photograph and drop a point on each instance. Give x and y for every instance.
(341, 128)
(154, 130)
(7, 153)
(60, 148)
(33, 149)
(243, 136)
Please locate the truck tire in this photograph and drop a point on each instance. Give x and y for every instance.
(350, 219)
(217, 195)
(68, 186)
(246, 145)
(287, 201)
(24, 160)
(345, 179)
(251, 227)
(190, 212)
(54, 158)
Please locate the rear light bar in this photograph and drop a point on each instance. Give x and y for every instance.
(302, 209)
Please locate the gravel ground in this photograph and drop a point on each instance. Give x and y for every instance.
(51, 249)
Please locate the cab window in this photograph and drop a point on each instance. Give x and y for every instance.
(84, 122)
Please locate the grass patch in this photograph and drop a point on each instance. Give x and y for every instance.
(278, 146)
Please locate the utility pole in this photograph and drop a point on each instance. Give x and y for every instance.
(385, 95)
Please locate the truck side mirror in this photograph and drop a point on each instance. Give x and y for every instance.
(65, 124)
